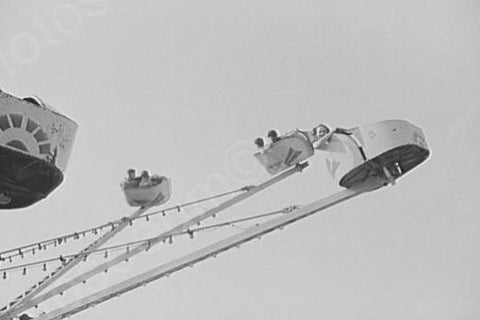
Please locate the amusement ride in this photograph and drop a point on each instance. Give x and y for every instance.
(36, 142)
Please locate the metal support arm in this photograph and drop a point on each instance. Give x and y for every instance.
(199, 255)
(143, 247)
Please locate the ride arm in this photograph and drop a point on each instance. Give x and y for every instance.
(199, 255)
(22, 302)
(165, 235)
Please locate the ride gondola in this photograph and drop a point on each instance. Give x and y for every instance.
(35, 145)
(145, 190)
(375, 154)
(284, 151)
(370, 155)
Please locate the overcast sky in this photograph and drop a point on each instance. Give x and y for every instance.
(182, 88)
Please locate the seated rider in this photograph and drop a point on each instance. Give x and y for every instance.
(132, 180)
(273, 135)
(144, 179)
(260, 143)
(319, 135)
(322, 134)
(321, 131)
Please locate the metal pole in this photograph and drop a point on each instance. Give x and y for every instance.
(199, 255)
(23, 300)
(140, 248)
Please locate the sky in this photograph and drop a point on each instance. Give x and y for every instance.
(183, 88)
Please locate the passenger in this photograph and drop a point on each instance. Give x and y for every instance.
(321, 131)
(273, 135)
(260, 143)
(320, 136)
(131, 174)
(144, 179)
(132, 180)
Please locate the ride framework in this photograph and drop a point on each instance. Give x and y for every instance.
(361, 159)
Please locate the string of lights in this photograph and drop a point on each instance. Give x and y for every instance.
(33, 248)
(126, 246)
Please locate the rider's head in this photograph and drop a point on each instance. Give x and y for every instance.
(273, 134)
(260, 142)
(321, 130)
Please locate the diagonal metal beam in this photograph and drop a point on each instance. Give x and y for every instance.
(18, 305)
(143, 247)
(199, 255)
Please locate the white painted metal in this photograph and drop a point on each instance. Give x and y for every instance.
(379, 137)
(22, 302)
(140, 248)
(375, 140)
(199, 255)
(342, 155)
(40, 125)
(291, 149)
(140, 195)
(383, 142)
